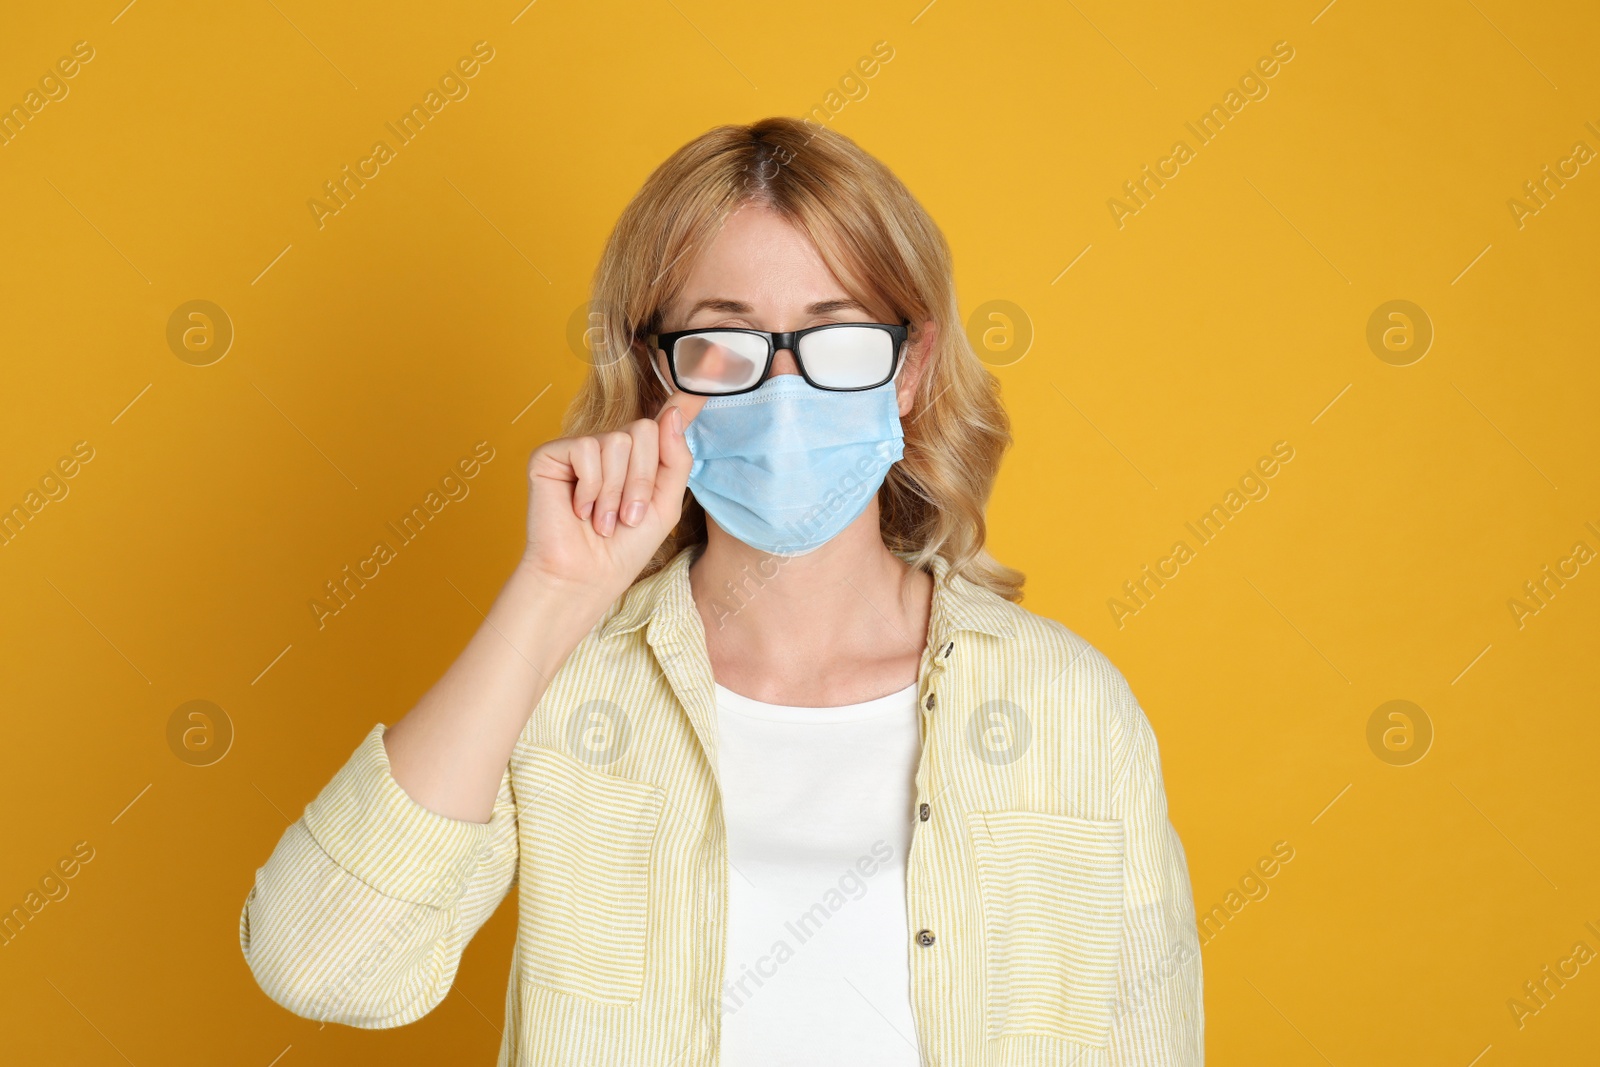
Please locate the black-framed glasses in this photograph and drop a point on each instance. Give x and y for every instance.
(839, 356)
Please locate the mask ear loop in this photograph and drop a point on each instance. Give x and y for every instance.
(900, 363)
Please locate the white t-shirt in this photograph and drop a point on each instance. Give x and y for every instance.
(818, 806)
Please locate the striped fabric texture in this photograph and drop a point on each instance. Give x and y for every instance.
(1050, 917)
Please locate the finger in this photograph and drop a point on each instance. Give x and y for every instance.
(582, 454)
(614, 449)
(672, 476)
(640, 482)
(689, 404)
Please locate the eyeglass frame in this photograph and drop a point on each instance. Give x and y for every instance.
(776, 342)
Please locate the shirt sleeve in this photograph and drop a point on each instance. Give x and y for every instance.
(362, 911)
(1159, 1015)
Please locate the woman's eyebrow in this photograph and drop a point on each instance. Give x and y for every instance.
(738, 307)
(828, 307)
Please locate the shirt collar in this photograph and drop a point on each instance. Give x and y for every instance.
(958, 604)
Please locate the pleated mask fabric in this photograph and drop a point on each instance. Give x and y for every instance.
(786, 467)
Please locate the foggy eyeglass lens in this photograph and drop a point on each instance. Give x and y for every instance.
(720, 361)
(848, 357)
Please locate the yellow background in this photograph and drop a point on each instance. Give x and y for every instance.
(1228, 314)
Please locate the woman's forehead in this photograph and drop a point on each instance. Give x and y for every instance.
(759, 263)
(755, 244)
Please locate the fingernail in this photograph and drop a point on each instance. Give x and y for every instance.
(677, 421)
(588, 509)
(633, 513)
(608, 523)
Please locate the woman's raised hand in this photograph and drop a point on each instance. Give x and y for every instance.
(600, 506)
(585, 547)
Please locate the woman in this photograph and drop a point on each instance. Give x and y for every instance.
(781, 771)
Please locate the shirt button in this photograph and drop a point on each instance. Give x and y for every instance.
(924, 938)
(924, 812)
(929, 703)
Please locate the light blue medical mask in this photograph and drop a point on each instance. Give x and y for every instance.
(787, 466)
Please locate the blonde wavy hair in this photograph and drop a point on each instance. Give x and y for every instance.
(884, 248)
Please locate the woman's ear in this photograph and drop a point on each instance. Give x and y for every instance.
(917, 355)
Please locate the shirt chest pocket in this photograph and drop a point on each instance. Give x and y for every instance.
(584, 879)
(1051, 890)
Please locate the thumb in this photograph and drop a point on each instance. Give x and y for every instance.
(673, 449)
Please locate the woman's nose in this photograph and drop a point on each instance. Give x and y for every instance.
(783, 363)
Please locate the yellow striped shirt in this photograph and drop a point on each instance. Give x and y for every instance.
(1050, 917)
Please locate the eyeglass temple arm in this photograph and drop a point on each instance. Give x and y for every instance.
(670, 388)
